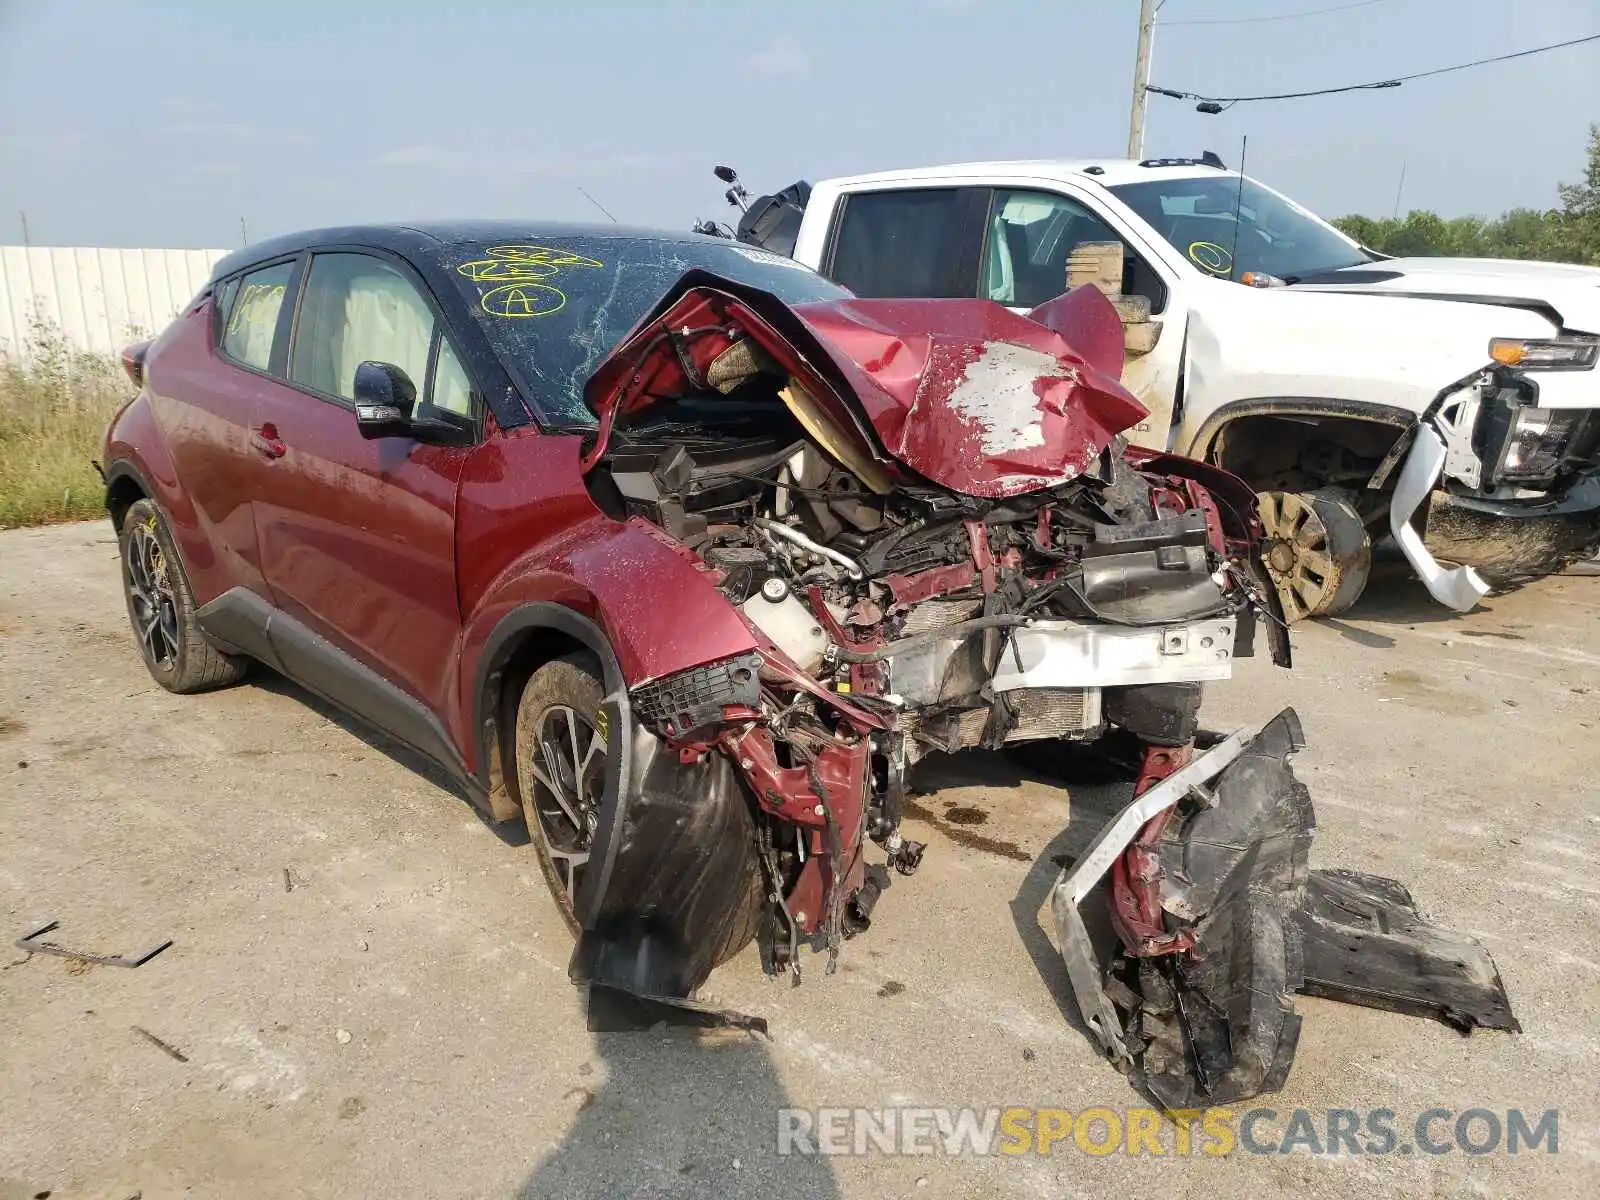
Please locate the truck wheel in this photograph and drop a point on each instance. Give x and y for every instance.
(161, 608)
(1318, 552)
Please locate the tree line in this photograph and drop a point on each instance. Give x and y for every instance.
(1570, 233)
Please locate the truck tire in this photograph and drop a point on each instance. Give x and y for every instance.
(1319, 553)
(161, 608)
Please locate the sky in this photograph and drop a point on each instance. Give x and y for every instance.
(181, 123)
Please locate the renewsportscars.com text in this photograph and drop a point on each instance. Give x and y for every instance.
(1212, 1131)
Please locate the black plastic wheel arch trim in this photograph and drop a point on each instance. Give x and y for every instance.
(502, 642)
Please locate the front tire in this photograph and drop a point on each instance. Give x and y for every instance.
(561, 771)
(161, 608)
(1318, 551)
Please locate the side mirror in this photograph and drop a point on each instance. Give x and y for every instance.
(385, 399)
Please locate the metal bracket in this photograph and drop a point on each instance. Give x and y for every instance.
(33, 945)
(1455, 421)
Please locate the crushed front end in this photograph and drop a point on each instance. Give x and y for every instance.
(926, 519)
(1498, 482)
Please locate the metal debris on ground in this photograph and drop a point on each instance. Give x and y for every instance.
(33, 944)
(166, 1048)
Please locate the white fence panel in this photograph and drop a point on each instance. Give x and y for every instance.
(99, 300)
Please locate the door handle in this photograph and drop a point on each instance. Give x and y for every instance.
(264, 440)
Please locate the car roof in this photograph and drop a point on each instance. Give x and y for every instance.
(1108, 172)
(419, 236)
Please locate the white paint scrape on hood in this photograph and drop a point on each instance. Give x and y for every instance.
(1572, 290)
(996, 394)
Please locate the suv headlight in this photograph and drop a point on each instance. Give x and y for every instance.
(1538, 442)
(1569, 352)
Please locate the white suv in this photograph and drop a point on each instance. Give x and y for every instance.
(1454, 403)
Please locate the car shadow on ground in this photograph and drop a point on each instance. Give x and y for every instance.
(1097, 790)
(513, 833)
(1393, 596)
(678, 1113)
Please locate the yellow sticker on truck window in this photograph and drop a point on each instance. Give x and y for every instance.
(1209, 256)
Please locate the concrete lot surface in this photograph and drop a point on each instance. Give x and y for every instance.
(396, 1021)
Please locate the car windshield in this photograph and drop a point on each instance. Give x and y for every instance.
(554, 308)
(1273, 234)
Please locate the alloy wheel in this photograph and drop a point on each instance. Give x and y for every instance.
(152, 598)
(569, 771)
(1318, 552)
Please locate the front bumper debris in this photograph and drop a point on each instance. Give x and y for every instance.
(1459, 588)
(1202, 1012)
(1365, 943)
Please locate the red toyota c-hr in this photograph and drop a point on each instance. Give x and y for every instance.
(684, 555)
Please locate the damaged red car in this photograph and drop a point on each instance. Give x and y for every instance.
(683, 555)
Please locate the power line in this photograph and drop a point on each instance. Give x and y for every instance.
(1381, 83)
(1294, 16)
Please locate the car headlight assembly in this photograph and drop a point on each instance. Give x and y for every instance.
(1569, 352)
(1537, 446)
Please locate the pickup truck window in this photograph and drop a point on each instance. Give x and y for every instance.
(902, 243)
(1029, 238)
(1272, 235)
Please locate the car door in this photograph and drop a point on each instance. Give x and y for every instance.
(357, 535)
(205, 382)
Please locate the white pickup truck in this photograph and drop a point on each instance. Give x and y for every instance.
(1454, 403)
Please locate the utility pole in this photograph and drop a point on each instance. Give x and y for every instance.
(1141, 77)
(1400, 190)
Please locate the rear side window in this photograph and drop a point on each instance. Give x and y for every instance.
(905, 243)
(250, 307)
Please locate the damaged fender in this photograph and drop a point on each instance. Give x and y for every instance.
(1199, 1006)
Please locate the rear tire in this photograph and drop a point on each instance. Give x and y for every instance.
(161, 608)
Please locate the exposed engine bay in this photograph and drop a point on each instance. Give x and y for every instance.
(942, 545)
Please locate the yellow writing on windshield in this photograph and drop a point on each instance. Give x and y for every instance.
(518, 270)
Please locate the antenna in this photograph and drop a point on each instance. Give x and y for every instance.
(244, 232)
(1238, 204)
(24, 215)
(1400, 189)
(595, 202)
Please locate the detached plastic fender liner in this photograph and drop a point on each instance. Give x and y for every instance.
(677, 895)
(1217, 1023)
(1077, 883)
(1459, 588)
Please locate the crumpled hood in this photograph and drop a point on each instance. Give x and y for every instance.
(965, 393)
(1572, 292)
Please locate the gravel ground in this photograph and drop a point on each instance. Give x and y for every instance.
(366, 994)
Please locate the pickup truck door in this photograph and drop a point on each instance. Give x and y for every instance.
(1028, 239)
(1006, 243)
